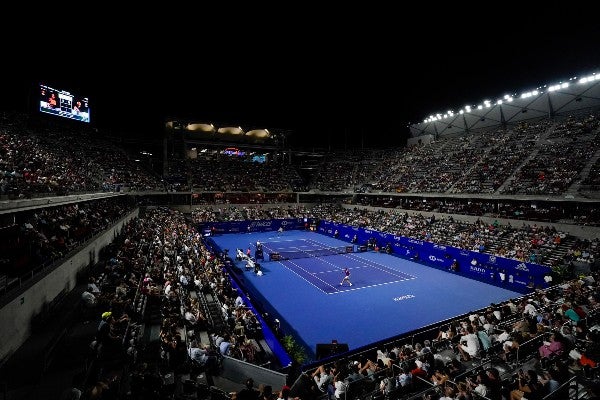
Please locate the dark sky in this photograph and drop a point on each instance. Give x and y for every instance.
(329, 78)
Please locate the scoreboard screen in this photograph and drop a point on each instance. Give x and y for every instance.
(64, 104)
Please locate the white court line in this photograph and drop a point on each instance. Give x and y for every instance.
(368, 286)
(402, 278)
(337, 290)
(337, 270)
(374, 263)
(309, 273)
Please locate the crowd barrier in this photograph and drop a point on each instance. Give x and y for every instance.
(519, 276)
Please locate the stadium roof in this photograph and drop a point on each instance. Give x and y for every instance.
(575, 94)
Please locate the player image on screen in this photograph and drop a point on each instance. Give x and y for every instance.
(52, 100)
(77, 108)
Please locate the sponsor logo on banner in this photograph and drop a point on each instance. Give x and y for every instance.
(284, 223)
(478, 270)
(522, 267)
(329, 231)
(492, 259)
(369, 232)
(347, 236)
(439, 246)
(261, 224)
(521, 283)
(404, 297)
(464, 253)
(397, 238)
(355, 229)
(415, 241)
(407, 252)
(434, 258)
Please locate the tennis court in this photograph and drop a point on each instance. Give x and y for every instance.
(325, 271)
(389, 295)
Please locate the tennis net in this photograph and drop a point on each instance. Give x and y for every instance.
(293, 254)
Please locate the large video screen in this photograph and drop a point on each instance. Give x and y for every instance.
(64, 104)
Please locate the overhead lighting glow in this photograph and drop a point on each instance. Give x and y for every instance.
(507, 98)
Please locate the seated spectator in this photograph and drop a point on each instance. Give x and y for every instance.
(89, 300)
(225, 345)
(323, 379)
(527, 386)
(198, 353)
(92, 287)
(552, 347)
(469, 344)
(405, 377)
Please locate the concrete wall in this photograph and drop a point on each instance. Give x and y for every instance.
(238, 371)
(16, 315)
(28, 204)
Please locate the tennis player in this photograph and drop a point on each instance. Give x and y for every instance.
(346, 277)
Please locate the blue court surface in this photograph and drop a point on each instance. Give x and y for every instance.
(389, 296)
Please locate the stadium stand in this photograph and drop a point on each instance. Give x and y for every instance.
(156, 313)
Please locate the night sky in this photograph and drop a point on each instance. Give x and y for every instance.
(329, 79)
